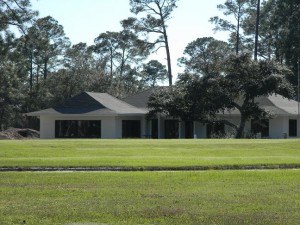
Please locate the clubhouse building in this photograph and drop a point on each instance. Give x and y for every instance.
(100, 115)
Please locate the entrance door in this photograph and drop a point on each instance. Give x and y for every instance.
(131, 128)
(171, 129)
(154, 128)
(216, 130)
(189, 129)
(260, 126)
(293, 128)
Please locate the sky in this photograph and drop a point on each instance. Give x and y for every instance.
(84, 20)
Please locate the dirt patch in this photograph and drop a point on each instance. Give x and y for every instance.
(19, 134)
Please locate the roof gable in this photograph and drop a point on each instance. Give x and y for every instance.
(91, 104)
(114, 104)
(287, 105)
(81, 103)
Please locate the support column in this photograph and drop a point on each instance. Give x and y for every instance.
(194, 130)
(179, 129)
(143, 127)
(150, 128)
(158, 127)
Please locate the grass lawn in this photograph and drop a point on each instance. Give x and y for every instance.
(148, 153)
(167, 198)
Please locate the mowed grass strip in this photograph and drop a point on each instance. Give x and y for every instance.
(148, 153)
(207, 197)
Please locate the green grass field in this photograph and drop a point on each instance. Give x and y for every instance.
(183, 198)
(148, 153)
(230, 197)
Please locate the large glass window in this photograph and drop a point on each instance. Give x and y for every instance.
(171, 129)
(260, 126)
(293, 128)
(131, 128)
(189, 129)
(78, 128)
(215, 130)
(154, 128)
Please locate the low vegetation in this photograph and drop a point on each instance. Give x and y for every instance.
(148, 153)
(179, 197)
(207, 197)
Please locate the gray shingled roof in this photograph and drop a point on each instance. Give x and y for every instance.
(140, 99)
(95, 104)
(276, 105)
(114, 104)
(91, 104)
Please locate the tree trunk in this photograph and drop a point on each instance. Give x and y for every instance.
(257, 30)
(31, 72)
(111, 65)
(45, 69)
(122, 63)
(166, 41)
(238, 32)
(168, 58)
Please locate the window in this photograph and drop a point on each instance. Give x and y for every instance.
(189, 129)
(216, 130)
(293, 128)
(154, 128)
(131, 128)
(78, 128)
(260, 126)
(171, 129)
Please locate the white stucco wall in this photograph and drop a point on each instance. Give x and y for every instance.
(47, 127)
(278, 126)
(111, 127)
(108, 128)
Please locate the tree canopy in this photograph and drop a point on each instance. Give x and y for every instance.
(158, 12)
(243, 79)
(40, 67)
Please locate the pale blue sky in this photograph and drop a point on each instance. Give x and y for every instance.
(84, 20)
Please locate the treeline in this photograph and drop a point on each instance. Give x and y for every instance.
(39, 67)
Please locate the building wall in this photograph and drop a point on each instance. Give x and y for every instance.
(111, 127)
(278, 126)
(47, 126)
(108, 128)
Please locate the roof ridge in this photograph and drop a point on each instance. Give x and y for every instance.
(115, 98)
(140, 92)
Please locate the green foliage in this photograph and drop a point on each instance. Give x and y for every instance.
(205, 56)
(286, 19)
(15, 13)
(243, 79)
(45, 43)
(153, 72)
(158, 12)
(238, 9)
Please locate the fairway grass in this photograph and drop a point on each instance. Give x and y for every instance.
(148, 153)
(183, 198)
